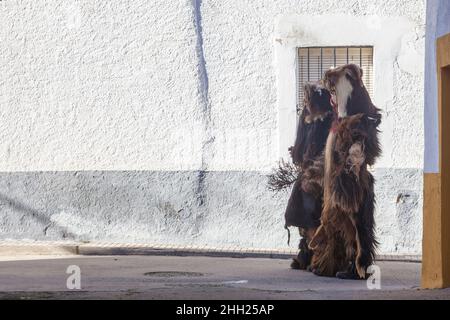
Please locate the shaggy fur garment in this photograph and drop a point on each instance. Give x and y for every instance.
(305, 205)
(345, 239)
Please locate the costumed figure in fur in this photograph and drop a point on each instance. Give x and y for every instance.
(304, 207)
(344, 244)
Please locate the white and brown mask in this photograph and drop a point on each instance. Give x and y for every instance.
(343, 83)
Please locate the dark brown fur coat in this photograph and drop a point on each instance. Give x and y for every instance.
(346, 234)
(304, 207)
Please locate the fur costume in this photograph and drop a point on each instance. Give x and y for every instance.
(344, 244)
(304, 207)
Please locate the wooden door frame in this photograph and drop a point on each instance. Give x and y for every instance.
(436, 211)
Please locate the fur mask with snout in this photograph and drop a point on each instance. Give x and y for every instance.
(348, 93)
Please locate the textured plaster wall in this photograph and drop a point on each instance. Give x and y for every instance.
(99, 85)
(141, 206)
(158, 120)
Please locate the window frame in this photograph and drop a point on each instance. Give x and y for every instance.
(385, 34)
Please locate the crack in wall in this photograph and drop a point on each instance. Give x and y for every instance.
(205, 103)
(202, 72)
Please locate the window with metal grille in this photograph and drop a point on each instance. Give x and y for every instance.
(313, 62)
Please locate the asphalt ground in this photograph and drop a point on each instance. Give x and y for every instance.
(196, 278)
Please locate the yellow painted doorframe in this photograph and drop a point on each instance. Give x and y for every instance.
(436, 211)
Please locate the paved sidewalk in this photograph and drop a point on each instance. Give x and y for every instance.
(174, 277)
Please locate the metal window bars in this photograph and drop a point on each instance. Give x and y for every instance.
(313, 62)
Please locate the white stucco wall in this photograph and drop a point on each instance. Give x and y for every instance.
(99, 85)
(116, 85)
(187, 86)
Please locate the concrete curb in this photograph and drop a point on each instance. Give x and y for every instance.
(10, 248)
(113, 251)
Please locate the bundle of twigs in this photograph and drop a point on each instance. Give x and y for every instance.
(283, 177)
